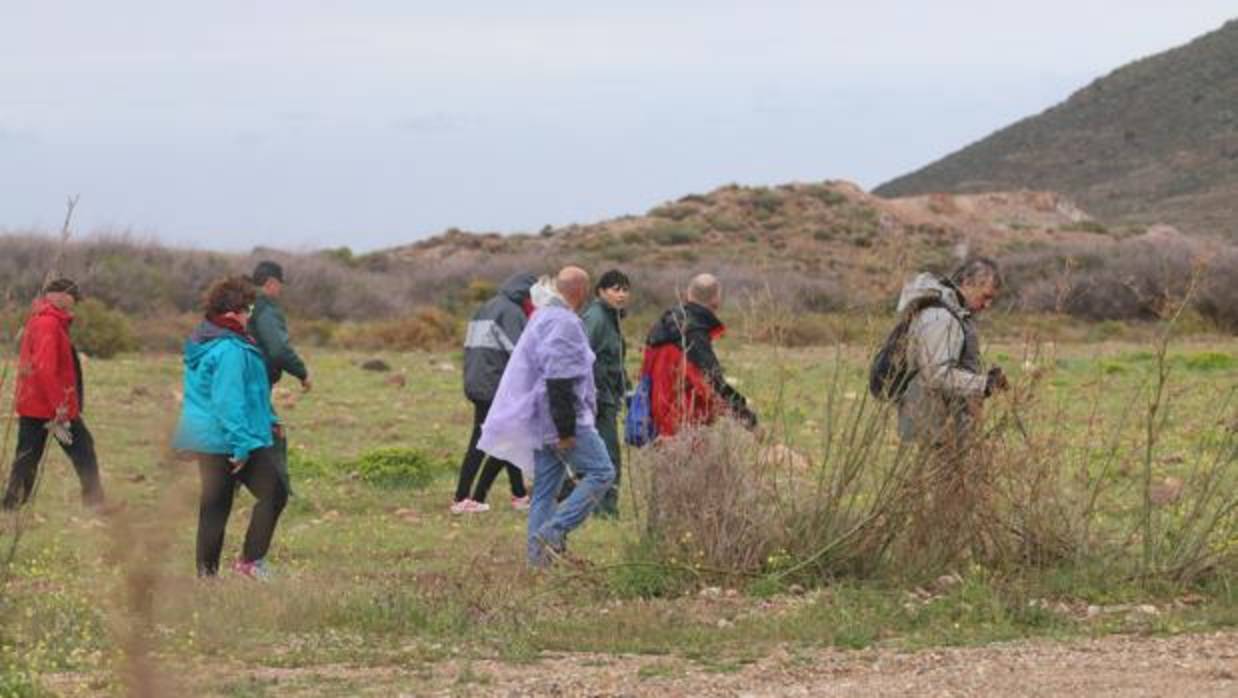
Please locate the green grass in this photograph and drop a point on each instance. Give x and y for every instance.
(373, 571)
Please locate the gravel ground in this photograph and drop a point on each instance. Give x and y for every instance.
(1198, 666)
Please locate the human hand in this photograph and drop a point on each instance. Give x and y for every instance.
(234, 465)
(59, 429)
(995, 381)
(566, 444)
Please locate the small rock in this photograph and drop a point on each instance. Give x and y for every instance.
(1148, 610)
(375, 365)
(1167, 491)
(732, 593)
(796, 589)
(710, 592)
(137, 478)
(724, 623)
(445, 367)
(396, 379)
(1093, 610)
(947, 581)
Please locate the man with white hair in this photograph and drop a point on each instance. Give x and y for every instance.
(543, 415)
(686, 380)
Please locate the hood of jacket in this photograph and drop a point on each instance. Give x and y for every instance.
(680, 320)
(203, 337)
(544, 294)
(516, 288)
(928, 287)
(42, 306)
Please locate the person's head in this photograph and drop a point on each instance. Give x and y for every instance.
(979, 280)
(573, 284)
(612, 288)
(230, 296)
(269, 277)
(705, 290)
(62, 293)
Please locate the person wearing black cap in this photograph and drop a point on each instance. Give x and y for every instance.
(270, 330)
(50, 397)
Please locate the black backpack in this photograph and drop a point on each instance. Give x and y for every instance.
(890, 373)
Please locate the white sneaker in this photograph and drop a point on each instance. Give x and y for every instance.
(521, 503)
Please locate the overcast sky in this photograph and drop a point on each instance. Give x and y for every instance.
(316, 123)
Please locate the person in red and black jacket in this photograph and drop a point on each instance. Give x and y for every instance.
(687, 383)
(50, 397)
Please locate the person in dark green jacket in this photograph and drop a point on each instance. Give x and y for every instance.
(602, 325)
(269, 329)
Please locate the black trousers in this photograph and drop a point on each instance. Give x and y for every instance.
(473, 459)
(262, 478)
(31, 440)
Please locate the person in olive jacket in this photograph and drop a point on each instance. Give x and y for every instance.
(602, 325)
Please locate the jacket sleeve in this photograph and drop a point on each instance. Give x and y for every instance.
(228, 403)
(562, 406)
(508, 326)
(48, 345)
(272, 335)
(937, 344)
(700, 351)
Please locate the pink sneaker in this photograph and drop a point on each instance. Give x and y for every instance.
(520, 503)
(468, 506)
(257, 570)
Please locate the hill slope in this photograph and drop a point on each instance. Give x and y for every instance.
(825, 244)
(1154, 141)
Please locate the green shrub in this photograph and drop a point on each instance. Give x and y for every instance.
(676, 235)
(1086, 227)
(766, 200)
(396, 467)
(829, 197)
(1210, 361)
(426, 328)
(100, 331)
(674, 212)
(482, 290)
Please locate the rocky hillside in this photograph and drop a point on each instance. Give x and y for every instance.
(831, 243)
(1154, 141)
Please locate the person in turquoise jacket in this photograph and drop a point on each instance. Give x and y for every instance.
(226, 422)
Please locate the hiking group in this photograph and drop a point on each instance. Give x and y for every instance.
(544, 369)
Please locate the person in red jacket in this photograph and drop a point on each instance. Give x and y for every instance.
(49, 397)
(686, 380)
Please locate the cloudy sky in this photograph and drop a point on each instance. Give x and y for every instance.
(315, 123)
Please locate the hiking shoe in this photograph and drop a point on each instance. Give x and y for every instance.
(521, 503)
(468, 506)
(257, 570)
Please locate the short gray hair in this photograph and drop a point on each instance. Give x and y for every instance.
(977, 269)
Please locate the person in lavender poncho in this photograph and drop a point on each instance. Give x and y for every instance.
(542, 417)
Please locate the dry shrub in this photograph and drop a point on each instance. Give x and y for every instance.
(707, 505)
(1217, 297)
(424, 329)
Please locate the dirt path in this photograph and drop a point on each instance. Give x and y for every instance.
(1199, 666)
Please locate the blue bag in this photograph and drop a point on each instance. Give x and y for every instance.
(638, 426)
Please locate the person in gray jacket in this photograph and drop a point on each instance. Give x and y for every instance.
(488, 343)
(949, 384)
